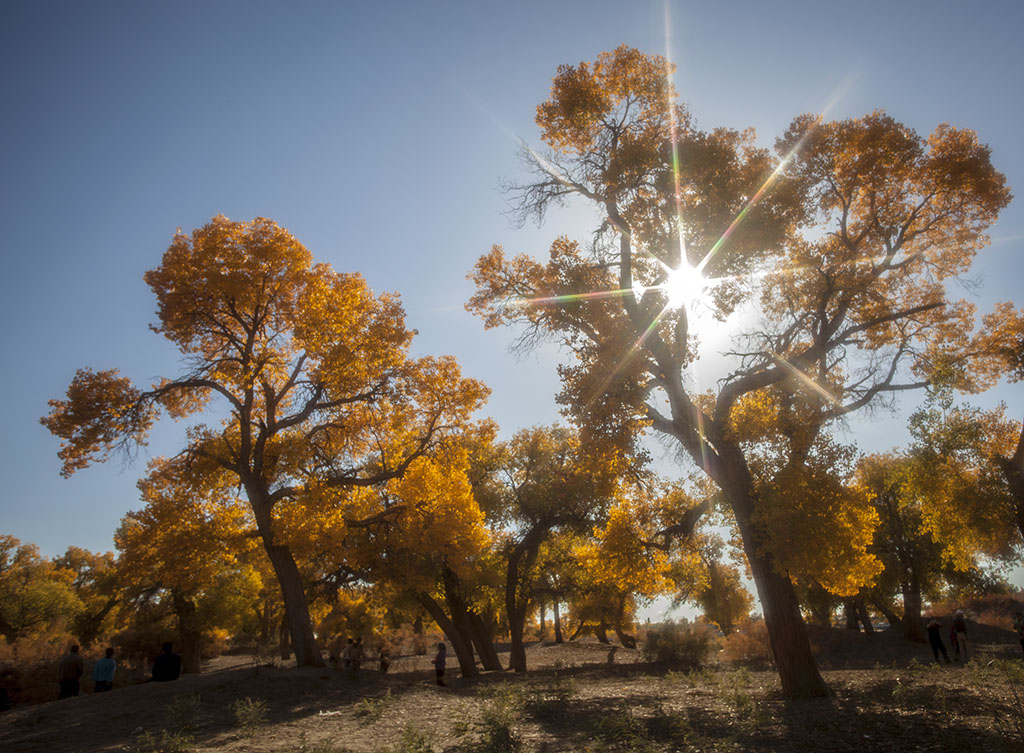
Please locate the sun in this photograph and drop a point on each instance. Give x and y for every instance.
(684, 286)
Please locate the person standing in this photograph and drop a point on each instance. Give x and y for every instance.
(69, 673)
(962, 639)
(167, 666)
(103, 672)
(934, 628)
(439, 661)
(1018, 627)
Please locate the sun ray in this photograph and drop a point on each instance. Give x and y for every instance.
(804, 378)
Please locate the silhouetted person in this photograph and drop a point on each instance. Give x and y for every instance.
(963, 642)
(348, 652)
(439, 661)
(385, 659)
(1018, 627)
(69, 672)
(167, 666)
(103, 672)
(934, 629)
(357, 654)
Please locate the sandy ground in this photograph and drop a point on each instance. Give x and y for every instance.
(889, 695)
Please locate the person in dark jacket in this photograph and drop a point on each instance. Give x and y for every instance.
(69, 673)
(167, 666)
(934, 629)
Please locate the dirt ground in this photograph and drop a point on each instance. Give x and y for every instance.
(889, 695)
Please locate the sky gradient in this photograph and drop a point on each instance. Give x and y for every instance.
(378, 136)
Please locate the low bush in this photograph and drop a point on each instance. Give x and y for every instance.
(748, 644)
(679, 644)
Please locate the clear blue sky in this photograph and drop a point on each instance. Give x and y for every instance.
(377, 135)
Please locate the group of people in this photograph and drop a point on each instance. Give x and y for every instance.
(167, 667)
(353, 655)
(958, 637)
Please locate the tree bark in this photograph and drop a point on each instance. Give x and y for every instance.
(296, 605)
(601, 631)
(462, 621)
(190, 635)
(556, 621)
(913, 625)
(463, 649)
(577, 631)
(850, 613)
(787, 633)
(862, 614)
(483, 639)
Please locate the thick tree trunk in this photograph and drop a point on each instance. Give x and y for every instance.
(787, 634)
(483, 639)
(517, 648)
(190, 635)
(296, 606)
(462, 621)
(463, 649)
(850, 614)
(913, 625)
(557, 622)
(601, 631)
(627, 640)
(540, 607)
(307, 653)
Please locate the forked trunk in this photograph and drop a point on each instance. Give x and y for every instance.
(483, 640)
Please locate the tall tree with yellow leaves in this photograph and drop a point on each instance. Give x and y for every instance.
(310, 366)
(842, 242)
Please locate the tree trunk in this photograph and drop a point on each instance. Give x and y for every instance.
(463, 650)
(540, 606)
(462, 621)
(483, 639)
(556, 621)
(190, 636)
(850, 613)
(863, 616)
(282, 636)
(913, 625)
(296, 606)
(891, 617)
(627, 640)
(787, 634)
(578, 630)
(1013, 471)
(517, 649)
(601, 631)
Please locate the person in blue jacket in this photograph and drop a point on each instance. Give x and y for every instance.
(103, 672)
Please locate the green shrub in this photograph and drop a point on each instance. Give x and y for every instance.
(372, 709)
(249, 713)
(679, 644)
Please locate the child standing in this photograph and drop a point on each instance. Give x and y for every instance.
(438, 661)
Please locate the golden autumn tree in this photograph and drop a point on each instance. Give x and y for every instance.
(97, 586)
(310, 367)
(841, 244)
(35, 594)
(188, 540)
(540, 481)
(420, 536)
(623, 571)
